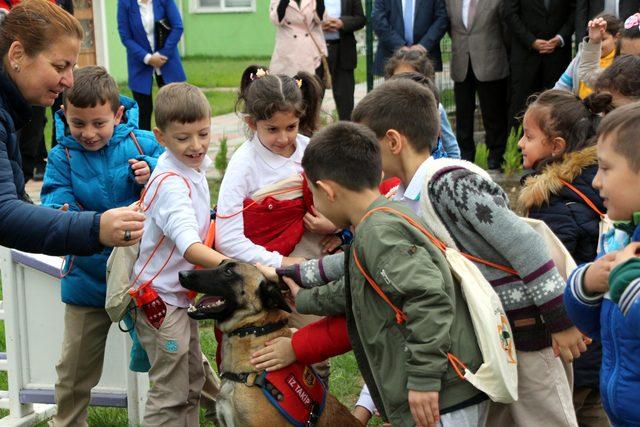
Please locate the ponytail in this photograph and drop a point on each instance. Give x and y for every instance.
(261, 95)
(565, 115)
(311, 89)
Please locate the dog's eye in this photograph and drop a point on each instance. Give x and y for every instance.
(228, 271)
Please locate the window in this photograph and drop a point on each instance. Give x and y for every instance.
(217, 6)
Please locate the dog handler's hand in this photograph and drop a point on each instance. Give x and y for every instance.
(424, 408)
(115, 222)
(277, 354)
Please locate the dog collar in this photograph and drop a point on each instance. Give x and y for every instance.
(258, 331)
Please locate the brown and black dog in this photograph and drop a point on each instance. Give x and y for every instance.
(240, 298)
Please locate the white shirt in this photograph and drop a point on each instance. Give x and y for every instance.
(149, 24)
(333, 10)
(182, 219)
(465, 12)
(410, 196)
(251, 168)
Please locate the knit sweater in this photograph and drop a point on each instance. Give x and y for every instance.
(476, 215)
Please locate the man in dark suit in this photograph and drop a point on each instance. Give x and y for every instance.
(588, 9)
(541, 33)
(343, 18)
(409, 24)
(479, 64)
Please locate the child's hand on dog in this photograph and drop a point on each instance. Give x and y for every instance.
(269, 272)
(277, 354)
(293, 286)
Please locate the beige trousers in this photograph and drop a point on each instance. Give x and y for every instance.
(80, 365)
(177, 373)
(544, 394)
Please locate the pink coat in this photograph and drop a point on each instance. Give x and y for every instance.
(295, 50)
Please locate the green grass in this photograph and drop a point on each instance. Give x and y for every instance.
(218, 71)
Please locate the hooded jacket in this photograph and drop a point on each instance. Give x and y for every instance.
(545, 197)
(95, 180)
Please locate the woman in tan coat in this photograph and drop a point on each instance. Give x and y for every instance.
(299, 39)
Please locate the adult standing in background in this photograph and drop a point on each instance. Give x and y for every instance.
(479, 64)
(299, 39)
(409, 24)
(146, 59)
(342, 19)
(39, 46)
(541, 32)
(588, 9)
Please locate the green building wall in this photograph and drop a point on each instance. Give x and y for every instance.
(205, 34)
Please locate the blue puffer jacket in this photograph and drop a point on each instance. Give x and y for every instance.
(544, 197)
(22, 225)
(619, 331)
(97, 181)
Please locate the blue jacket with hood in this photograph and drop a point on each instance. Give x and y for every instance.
(617, 325)
(97, 181)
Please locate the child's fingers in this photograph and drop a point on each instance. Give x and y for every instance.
(139, 164)
(133, 161)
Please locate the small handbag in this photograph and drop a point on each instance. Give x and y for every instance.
(162, 29)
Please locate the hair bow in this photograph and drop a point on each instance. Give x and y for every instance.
(260, 72)
(632, 21)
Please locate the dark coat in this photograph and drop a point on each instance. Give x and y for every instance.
(529, 20)
(25, 226)
(588, 9)
(576, 225)
(353, 19)
(429, 26)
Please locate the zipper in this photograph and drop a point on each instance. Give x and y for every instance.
(611, 385)
(108, 177)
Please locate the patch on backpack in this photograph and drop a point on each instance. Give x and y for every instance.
(171, 346)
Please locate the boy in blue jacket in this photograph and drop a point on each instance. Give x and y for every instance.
(101, 161)
(603, 297)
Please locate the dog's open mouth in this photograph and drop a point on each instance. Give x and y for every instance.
(207, 304)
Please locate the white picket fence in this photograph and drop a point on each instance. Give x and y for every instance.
(33, 316)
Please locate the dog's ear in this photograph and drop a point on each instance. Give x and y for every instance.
(271, 296)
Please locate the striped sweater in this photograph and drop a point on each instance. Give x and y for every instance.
(476, 215)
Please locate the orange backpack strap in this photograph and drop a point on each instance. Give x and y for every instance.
(437, 242)
(401, 317)
(586, 200)
(135, 141)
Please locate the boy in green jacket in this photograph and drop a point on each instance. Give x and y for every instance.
(402, 356)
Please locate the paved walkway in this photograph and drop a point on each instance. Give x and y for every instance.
(230, 126)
